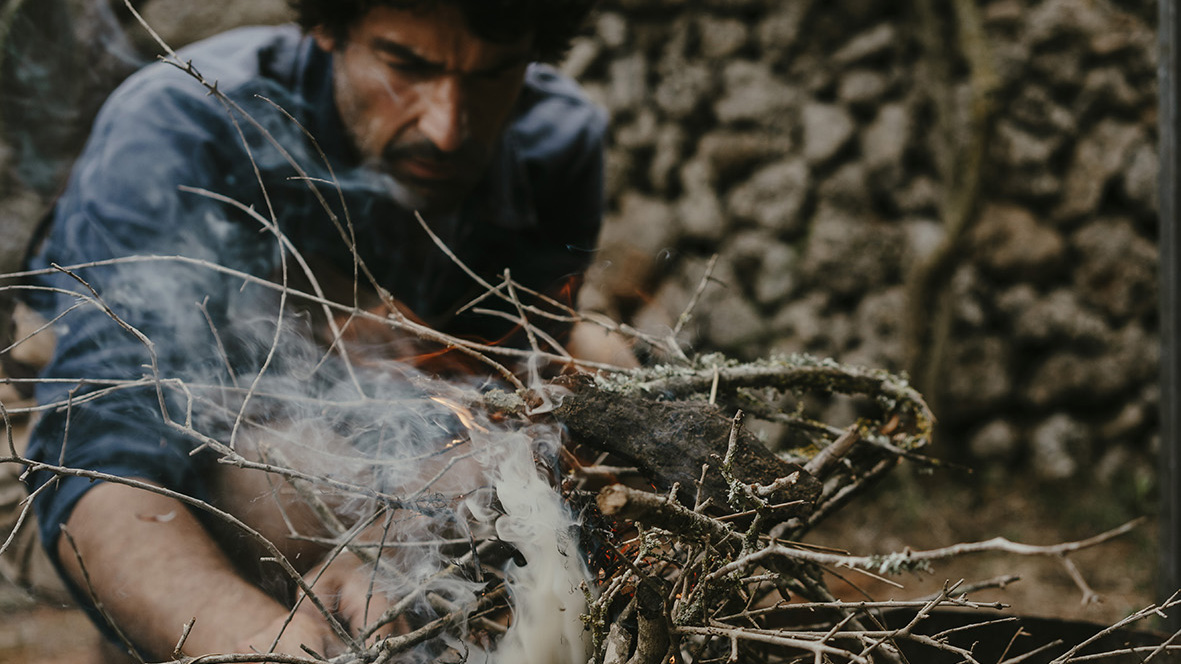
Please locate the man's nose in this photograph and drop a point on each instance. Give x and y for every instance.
(444, 119)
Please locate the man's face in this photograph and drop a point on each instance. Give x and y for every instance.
(423, 98)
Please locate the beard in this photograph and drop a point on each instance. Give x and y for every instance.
(436, 179)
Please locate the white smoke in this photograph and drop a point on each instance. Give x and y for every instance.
(484, 482)
(548, 591)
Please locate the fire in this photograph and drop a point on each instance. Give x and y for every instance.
(465, 416)
(569, 291)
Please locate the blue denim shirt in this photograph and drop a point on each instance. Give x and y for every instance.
(134, 192)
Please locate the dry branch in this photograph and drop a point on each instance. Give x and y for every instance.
(962, 152)
(700, 575)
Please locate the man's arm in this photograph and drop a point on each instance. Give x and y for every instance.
(154, 567)
(597, 344)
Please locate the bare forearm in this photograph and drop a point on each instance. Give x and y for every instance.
(154, 567)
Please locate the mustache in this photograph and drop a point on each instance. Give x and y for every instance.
(469, 152)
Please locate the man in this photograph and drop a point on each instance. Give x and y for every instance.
(416, 105)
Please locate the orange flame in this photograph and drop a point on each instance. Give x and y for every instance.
(466, 418)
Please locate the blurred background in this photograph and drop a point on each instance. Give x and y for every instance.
(964, 191)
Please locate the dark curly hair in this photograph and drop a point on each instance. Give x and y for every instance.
(554, 22)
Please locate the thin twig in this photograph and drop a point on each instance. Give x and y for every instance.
(177, 652)
(687, 313)
(98, 603)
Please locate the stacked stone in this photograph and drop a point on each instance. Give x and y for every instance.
(797, 140)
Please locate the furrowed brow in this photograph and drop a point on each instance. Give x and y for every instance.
(404, 53)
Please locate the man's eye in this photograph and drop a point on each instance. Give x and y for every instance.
(410, 68)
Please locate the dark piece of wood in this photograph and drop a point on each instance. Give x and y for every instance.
(670, 440)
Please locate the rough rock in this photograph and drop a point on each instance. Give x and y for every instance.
(766, 265)
(729, 153)
(848, 188)
(584, 53)
(921, 195)
(634, 239)
(1065, 19)
(1117, 271)
(653, 38)
(886, 138)
(618, 168)
(1061, 66)
(670, 146)
(814, 74)
(846, 257)
(1060, 445)
(658, 315)
(877, 325)
(862, 86)
(1059, 317)
(722, 37)
(867, 45)
(998, 440)
(751, 92)
(1016, 147)
(180, 22)
(701, 216)
(1128, 422)
(1034, 106)
(1099, 157)
(802, 323)
(967, 297)
(977, 378)
(1011, 243)
(682, 88)
(735, 326)
(884, 143)
(1004, 13)
(1140, 177)
(639, 133)
(611, 27)
(1010, 59)
(736, 5)
(827, 128)
(776, 278)
(774, 196)
(699, 176)
(627, 82)
(1094, 378)
(781, 28)
(1035, 186)
(1107, 89)
(726, 319)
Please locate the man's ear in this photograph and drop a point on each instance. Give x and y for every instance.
(324, 38)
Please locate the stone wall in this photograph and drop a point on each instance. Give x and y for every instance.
(802, 142)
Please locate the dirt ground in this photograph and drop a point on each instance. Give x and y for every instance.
(921, 512)
(910, 509)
